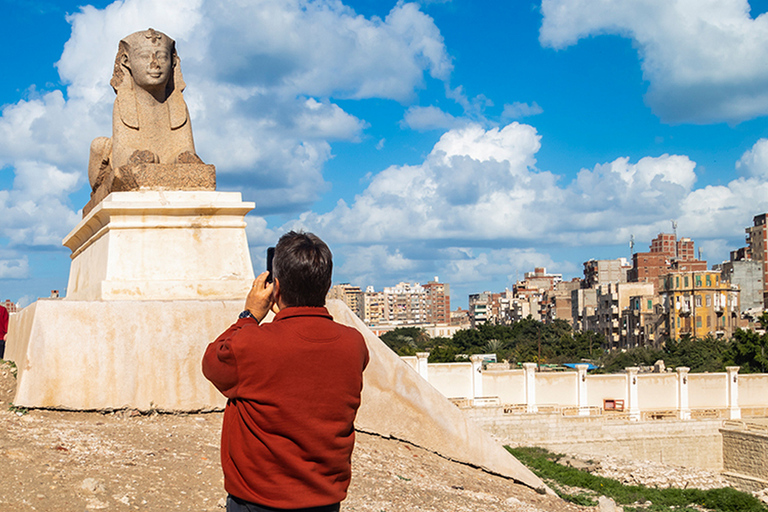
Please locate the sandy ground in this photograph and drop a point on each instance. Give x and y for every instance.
(73, 461)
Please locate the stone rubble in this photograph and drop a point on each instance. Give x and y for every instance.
(654, 474)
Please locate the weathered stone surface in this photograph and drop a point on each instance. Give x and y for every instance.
(162, 245)
(143, 176)
(151, 144)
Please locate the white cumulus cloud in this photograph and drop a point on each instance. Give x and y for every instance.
(483, 185)
(705, 60)
(754, 162)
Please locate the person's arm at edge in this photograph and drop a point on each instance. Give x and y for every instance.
(4, 317)
(219, 361)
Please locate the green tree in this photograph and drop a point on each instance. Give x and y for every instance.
(699, 354)
(748, 350)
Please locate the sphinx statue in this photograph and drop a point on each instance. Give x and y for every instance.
(151, 147)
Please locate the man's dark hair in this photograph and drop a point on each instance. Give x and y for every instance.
(303, 264)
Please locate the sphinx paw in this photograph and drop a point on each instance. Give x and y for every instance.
(188, 157)
(142, 156)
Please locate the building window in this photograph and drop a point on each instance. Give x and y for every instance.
(709, 280)
(709, 321)
(698, 321)
(698, 281)
(709, 300)
(698, 301)
(650, 303)
(685, 281)
(677, 281)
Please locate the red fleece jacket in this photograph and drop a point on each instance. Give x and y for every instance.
(294, 389)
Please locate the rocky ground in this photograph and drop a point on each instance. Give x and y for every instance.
(72, 461)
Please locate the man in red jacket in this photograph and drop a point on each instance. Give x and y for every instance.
(3, 329)
(293, 387)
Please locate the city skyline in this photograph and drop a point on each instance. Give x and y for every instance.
(468, 141)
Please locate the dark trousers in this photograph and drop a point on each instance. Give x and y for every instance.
(238, 505)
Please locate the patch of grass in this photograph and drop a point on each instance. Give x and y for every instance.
(545, 465)
(18, 410)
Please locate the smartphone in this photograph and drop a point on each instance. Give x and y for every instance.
(270, 257)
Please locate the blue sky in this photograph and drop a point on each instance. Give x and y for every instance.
(466, 140)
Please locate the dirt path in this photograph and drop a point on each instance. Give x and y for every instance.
(72, 461)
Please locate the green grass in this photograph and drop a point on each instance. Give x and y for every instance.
(545, 465)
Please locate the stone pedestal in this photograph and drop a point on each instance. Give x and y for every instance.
(161, 245)
(95, 355)
(155, 277)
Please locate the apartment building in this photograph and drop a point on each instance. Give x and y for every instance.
(643, 323)
(612, 299)
(666, 253)
(352, 296)
(374, 310)
(699, 304)
(405, 304)
(583, 307)
(9, 305)
(757, 242)
(605, 271)
(559, 301)
(747, 274)
(438, 302)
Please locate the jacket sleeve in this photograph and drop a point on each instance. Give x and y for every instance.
(219, 361)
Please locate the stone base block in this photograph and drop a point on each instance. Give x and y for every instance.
(115, 354)
(144, 176)
(155, 245)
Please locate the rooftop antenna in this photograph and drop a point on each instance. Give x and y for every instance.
(674, 230)
(700, 254)
(631, 245)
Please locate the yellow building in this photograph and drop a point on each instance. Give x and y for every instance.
(699, 304)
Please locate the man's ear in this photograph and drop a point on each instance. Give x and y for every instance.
(124, 61)
(275, 295)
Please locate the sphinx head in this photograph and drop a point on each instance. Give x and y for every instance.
(149, 58)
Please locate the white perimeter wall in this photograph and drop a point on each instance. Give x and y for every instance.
(655, 392)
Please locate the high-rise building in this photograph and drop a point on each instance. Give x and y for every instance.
(757, 241)
(438, 302)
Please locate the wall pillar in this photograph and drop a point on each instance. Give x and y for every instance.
(734, 411)
(581, 386)
(683, 409)
(530, 387)
(633, 407)
(422, 359)
(477, 375)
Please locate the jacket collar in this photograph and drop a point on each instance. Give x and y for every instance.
(302, 311)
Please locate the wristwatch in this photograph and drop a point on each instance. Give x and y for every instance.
(246, 314)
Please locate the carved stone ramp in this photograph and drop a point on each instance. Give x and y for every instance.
(397, 402)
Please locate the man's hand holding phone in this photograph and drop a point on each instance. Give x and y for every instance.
(259, 300)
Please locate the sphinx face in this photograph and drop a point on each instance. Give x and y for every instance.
(150, 65)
